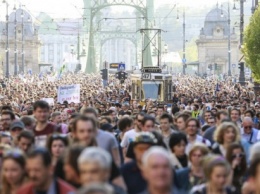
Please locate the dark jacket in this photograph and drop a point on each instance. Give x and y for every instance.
(61, 188)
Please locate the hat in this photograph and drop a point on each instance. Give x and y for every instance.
(17, 124)
(146, 137)
(106, 127)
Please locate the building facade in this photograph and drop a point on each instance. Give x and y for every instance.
(23, 40)
(213, 52)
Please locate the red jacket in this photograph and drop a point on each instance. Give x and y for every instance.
(63, 188)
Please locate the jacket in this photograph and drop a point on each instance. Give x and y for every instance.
(61, 188)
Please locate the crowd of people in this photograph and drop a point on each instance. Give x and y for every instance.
(206, 141)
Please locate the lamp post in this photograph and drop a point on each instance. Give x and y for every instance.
(229, 39)
(15, 43)
(184, 43)
(7, 41)
(22, 16)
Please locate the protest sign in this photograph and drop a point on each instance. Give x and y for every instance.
(70, 93)
(50, 101)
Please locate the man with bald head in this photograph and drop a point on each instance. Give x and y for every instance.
(248, 133)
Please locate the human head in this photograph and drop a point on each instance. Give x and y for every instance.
(235, 114)
(160, 111)
(39, 168)
(235, 151)
(196, 154)
(16, 128)
(192, 126)
(157, 168)
(7, 117)
(254, 151)
(41, 111)
(181, 121)
(227, 132)
(211, 121)
(84, 130)
(56, 118)
(25, 140)
(165, 122)
(207, 115)
(96, 188)
(90, 112)
(177, 143)
(29, 122)
(148, 123)
(247, 125)
(125, 124)
(94, 165)
(220, 116)
(56, 144)
(249, 113)
(216, 170)
(142, 143)
(13, 169)
(138, 120)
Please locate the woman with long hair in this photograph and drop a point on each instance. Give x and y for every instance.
(187, 178)
(226, 134)
(216, 171)
(237, 159)
(13, 171)
(56, 144)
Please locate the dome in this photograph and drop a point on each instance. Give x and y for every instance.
(214, 20)
(215, 15)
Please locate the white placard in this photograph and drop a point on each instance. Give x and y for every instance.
(50, 101)
(70, 93)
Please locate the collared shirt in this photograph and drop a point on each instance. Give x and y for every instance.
(252, 137)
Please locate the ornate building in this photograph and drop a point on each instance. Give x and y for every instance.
(213, 44)
(27, 43)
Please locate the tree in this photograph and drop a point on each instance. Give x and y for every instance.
(251, 48)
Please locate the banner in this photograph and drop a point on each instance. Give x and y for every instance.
(70, 93)
(50, 101)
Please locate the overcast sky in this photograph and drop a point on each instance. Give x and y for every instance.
(73, 8)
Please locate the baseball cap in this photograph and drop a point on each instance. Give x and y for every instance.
(17, 124)
(145, 137)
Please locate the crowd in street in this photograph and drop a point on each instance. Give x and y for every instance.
(205, 141)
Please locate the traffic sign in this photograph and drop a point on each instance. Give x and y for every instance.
(184, 60)
(146, 76)
(234, 65)
(121, 67)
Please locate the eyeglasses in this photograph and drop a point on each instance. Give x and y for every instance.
(139, 121)
(16, 129)
(5, 119)
(247, 127)
(238, 155)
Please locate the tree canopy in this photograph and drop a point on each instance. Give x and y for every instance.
(251, 48)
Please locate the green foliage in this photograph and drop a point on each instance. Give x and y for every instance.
(251, 48)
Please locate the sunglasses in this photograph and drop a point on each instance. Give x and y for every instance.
(238, 155)
(247, 127)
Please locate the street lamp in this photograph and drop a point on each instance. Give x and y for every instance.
(229, 38)
(72, 49)
(7, 41)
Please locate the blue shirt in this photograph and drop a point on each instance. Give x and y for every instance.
(252, 137)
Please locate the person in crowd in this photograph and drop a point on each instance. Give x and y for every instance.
(56, 145)
(166, 121)
(216, 170)
(235, 116)
(148, 123)
(187, 178)
(13, 171)
(192, 129)
(28, 122)
(207, 115)
(70, 171)
(248, 132)
(237, 160)
(209, 133)
(43, 128)
(181, 121)
(15, 129)
(7, 117)
(157, 170)
(131, 171)
(95, 166)
(177, 144)
(130, 135)
(25, 141)
(104, 139)
(57, 120)
(211, 121)
(40, 172)
(84, 130)
(226, 134)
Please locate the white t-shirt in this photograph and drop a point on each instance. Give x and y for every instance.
(129, 136)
